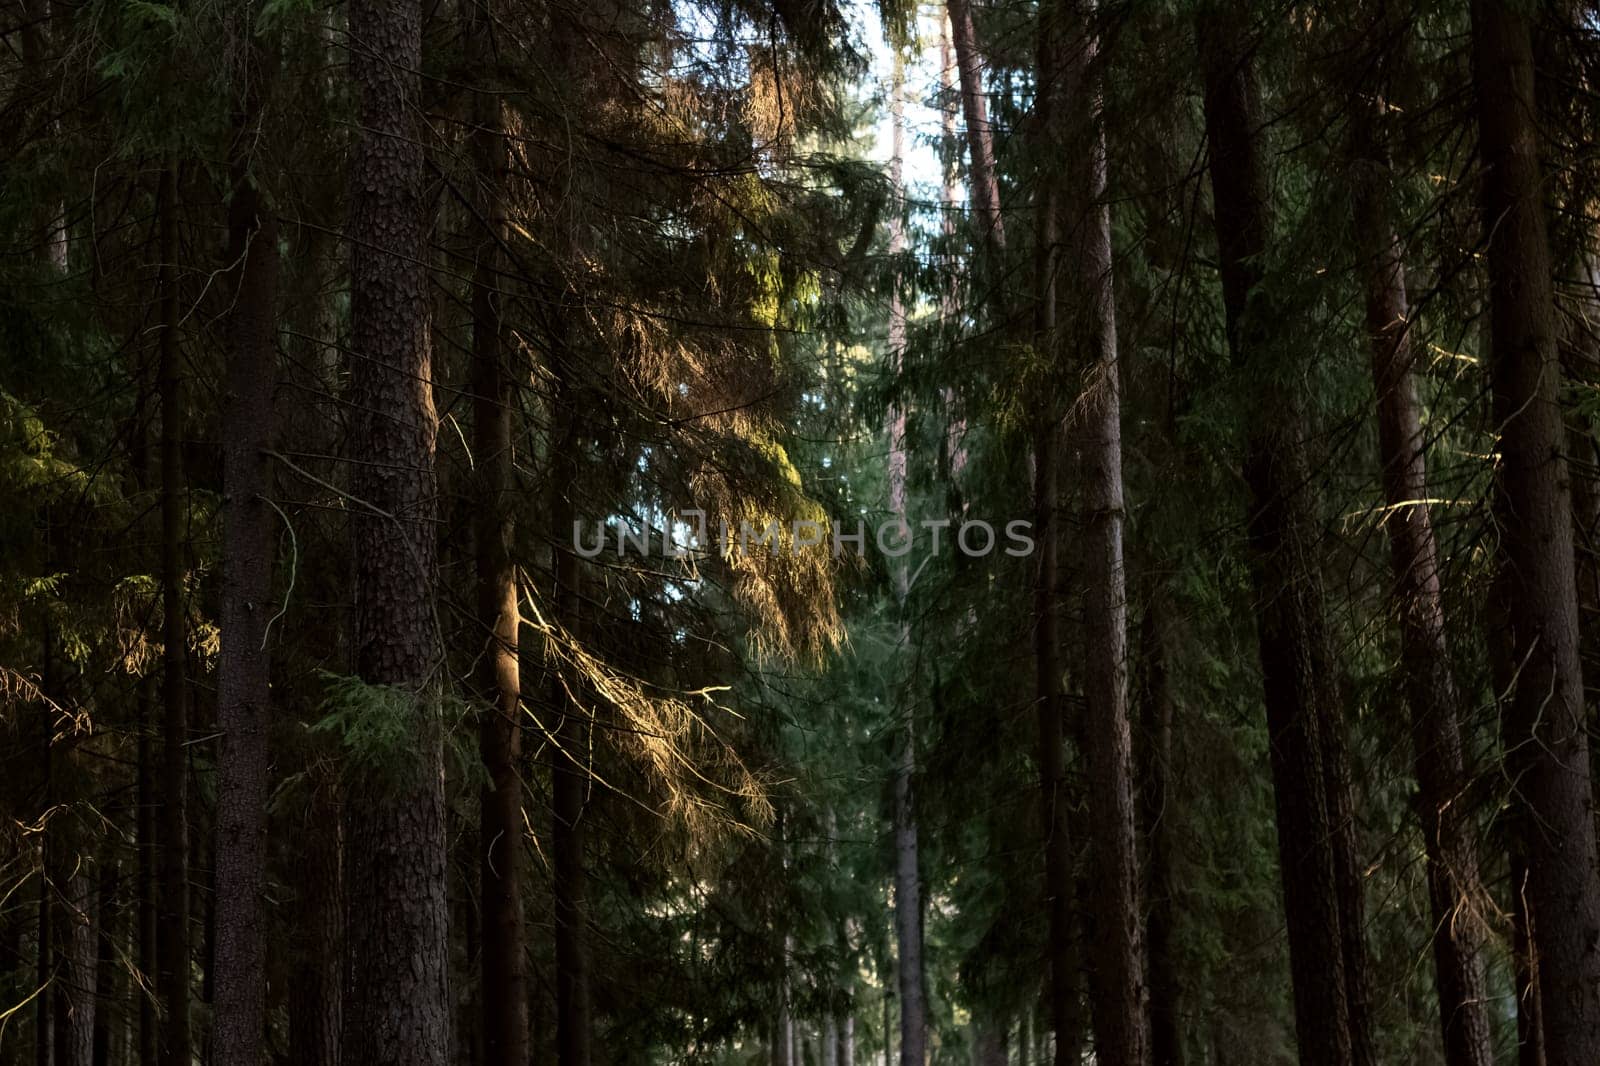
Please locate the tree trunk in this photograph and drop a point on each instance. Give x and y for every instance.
(1061, 957)
(1548, 752)
(569, 763)
(172, 920)
(504, 975)
(1431, 693)
(907, 865)
(1117, 984)
(145, 830)
(106, 967)
(73, 987)
(1321, 887)
(1166, 1033)
(397, 1006)
(243, 683)
(317, 939)
(985, 184)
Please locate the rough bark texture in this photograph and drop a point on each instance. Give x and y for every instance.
(504, 990)
(74, 984)
(1321, 886)
(1453, 881)
(1548, 752)
(397, 1004)
(1117, 982)
(172, 918)
(243, 684)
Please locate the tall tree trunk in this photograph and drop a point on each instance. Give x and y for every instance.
(1453, 882)
(1117, 985)
(907, 865)
(317, 941)
(106, 968)
(147, 894)
(1166, 1033)
(74, 984)
(397, 1007)
(172, 922)
(1062, 1004)
(243, 683)
(982, 177)
(569, 761)
(1548, 752)
(1321, 886)
(504, 976)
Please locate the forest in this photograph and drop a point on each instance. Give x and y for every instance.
(799, 532)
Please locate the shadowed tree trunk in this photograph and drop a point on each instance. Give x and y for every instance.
(1430, 688)
(498, 681)
(1166, 1034)
(316, 985)
(1547, 746)
(1321, 886)
(396, 1008)
(569, 760)
(243, 685)
(1062, 1003)
(172, 916)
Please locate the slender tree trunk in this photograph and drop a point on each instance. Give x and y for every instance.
(1430, 687)
(243, 684)
(1321, 887)
(43, 1029)
(498, 681)
(1548, 754)
(907, 865)
(569, 764)
(106, 963)
(172, 924)
(1166, 1031)
(397, 1006)
(1117, 986)
(847, 1040)
(1062, 1005)
(145, 832)
(985, 184)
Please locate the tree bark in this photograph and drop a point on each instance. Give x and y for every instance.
(983, 180)
(1117, 984)
(1548, 752)
(106, 968)
(569, 763)
(317, 940)
(1431, 694)
(397, 1007)
(243, 684)
(1062, 1005)
(172, 919)
(1321, 886)
(498, 681)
